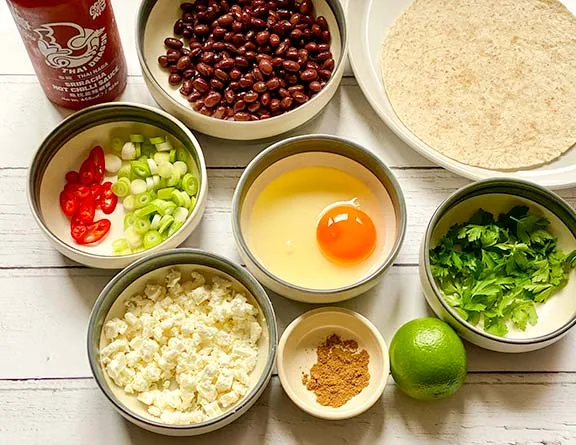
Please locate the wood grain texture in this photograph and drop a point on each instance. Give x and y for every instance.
(488, 410)
(46, 311)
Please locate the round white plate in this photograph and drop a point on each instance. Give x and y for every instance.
(368, 25)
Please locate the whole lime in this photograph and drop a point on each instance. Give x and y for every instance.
(427, 359)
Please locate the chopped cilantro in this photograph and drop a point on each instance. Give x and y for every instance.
(495, 271)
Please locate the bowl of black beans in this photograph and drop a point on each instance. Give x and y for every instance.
(242, 69)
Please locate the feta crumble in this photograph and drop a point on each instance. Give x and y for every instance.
(184, 349)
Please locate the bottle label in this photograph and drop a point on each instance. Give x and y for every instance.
(84, 47)
(76, 52)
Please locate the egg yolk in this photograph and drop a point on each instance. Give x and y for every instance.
(346, 234)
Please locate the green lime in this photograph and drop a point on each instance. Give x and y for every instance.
(427, 359)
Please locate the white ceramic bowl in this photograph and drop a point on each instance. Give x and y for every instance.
(555, 317)
(297, 354)
(68, 145)
(156, 19)
(327, 151)
(154, 267)
(368, 24)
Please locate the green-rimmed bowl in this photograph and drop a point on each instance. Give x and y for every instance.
(555, 317)
(154, 267)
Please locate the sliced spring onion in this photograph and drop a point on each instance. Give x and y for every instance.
(129, 219)
(192, 203)
(156, 179)
(129, 151)
(121, 188)
(140, 169)
(174, 228)
(165, 223)
(136, 138)
(144, 199)
(146, 211)
(112, 163)
(141, 226)
(125, 171)
(185, 198)
(166, 193)
(180, 214)
(117, 144)
(172, 155)
(181, 167)
(152, 238)
(152, 166)
(133, 238)
(177, 198)
(138, 186)
(164, 146)
(129, 203)
(182, 155)
(157, 140)
(149, 184)
(160, 158)
(190, 184)
(165, 169)
(174, 179)
(155, 221)
(138, 148)
(164, 207)
(120, 245)
(148, 149)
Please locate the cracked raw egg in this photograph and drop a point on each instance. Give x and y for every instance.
(345, 233)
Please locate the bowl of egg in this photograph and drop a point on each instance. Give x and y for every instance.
(318, 218)
(182, 342)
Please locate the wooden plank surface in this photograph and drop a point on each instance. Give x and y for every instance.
(46, 392)
(510, 409)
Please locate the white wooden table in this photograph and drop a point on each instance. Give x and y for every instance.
(47, 394)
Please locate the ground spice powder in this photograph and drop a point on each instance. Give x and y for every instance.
(340, 373)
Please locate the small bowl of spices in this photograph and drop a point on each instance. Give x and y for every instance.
(333, 363)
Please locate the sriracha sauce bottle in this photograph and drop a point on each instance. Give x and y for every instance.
(75, 48)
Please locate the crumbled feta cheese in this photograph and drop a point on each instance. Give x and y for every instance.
(184, 349)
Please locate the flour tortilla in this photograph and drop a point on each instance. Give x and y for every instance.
(489, 83)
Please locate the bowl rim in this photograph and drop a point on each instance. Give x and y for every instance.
(505, 186)
(142, 17)
(401, 215)
(247, 280)
(321, 412)
(68, 122)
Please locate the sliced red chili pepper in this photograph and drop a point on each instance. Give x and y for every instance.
(72, 177)
(97, 158)
(96, 192)
(78, 232)
(68, 203)
(108, 200)
(92, 233)
(86, 211)
(82, 192)
(88, 173)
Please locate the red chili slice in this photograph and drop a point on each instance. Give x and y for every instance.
(92, 233)
(88, 173)
(108, 200)
(96, 192)
(72, 177)
(86, 211)
(68, 203)
(97, 158)
(78, 232)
